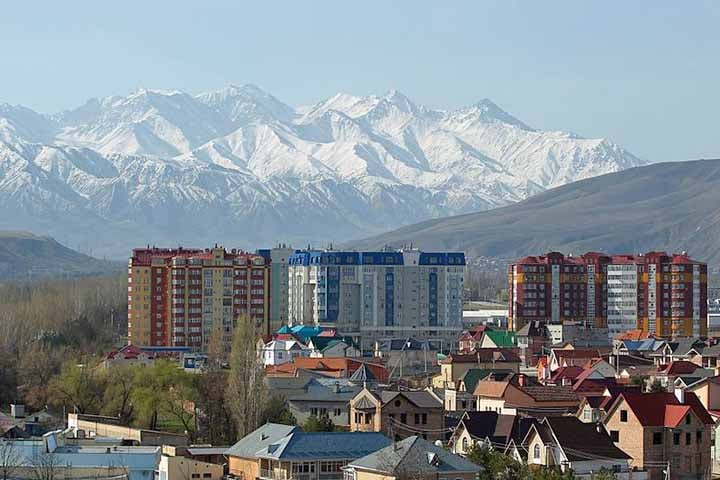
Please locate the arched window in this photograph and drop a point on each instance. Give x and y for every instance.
(465, 444)
(536, 452)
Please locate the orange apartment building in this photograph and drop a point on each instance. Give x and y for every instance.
(183, 297)
(660, 294)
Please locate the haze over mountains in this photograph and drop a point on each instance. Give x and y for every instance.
(24, 256)
(670, 206)
(241, 167)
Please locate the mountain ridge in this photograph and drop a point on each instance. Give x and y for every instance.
(666, 206)
(238, 163)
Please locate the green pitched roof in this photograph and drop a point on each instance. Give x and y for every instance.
(502, 338)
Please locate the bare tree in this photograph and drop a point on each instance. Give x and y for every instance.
(10, 459)
(245, 393)
(45, 466)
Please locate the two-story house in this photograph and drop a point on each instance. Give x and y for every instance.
(454, 366)
(586, 449)
(282, 452)
(663, 431)
(397, 414)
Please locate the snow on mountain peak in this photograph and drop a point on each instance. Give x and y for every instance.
(254, 168)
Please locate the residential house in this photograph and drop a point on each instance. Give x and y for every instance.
(531, 339)
(330, 367)
(679, 349)
(454, 366)
(323, 346)
(327, 397)
(519, 394)
(459, 397)
(316, 455)
(569, 357)
(470, 340)
(277, 352)
(491, 429)
(498, 339)
(181, 463)
(593, 408)
(243, 462)
(413, 457)
(398, 414)
(127, 355)
(688, 371)
(406, 356)
(663, 430)
(585, 449)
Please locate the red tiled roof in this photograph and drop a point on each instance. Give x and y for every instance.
(651, 409)
(678, 367)
(570, 372)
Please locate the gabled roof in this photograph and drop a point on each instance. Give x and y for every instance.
(533, 328)
(579, 440)
(484, 355)
(263, 436)
(571, 373)
(651, 408)
(301, 445)
(421, 398)
(502, 338)
(326, 390)
(363, 374)
(322, 343)
(679, 367)
(415, 455)
(472, 376)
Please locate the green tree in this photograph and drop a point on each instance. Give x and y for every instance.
(214, 420)
(78, 387)
(245, 394)
(318, 424)
(278, 411)
(496, 465)
(120, 381)
(605, 474)
(163, 391)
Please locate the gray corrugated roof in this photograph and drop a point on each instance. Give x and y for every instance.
(324, 446)
(325, 392)
(414, 455)
(269, 433)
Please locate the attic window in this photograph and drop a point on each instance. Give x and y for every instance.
(688, 420)
(432, 458)
(536, 452)
(623, 416)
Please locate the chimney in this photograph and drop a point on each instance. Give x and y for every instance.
(680, 394)
(17, 411)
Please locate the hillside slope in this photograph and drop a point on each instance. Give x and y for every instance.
(24, 256)
(670, 206)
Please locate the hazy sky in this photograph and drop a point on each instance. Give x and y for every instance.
(643, 73)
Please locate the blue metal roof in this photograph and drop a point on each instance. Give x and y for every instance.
(325, 446)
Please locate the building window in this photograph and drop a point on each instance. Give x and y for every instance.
(676, 439)
(465, 444)
(657, 438)
(623, 416)
(688, 438)
(698, 437)
(615, 435)
(403, 418)
(424, 418)
(688, 419)
(536, 452)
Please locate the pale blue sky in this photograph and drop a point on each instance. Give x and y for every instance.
(643, 73)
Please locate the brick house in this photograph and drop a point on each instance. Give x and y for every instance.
(661, 429)
(397, 414)
(454, 366)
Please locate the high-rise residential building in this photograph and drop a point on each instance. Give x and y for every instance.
(186, 297)
(279, 258)
(664, 295)
(378, 295)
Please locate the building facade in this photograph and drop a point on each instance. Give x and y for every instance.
(378, 295)
(664, 295)
(185, 297)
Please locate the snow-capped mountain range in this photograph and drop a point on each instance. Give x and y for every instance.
(241, 167)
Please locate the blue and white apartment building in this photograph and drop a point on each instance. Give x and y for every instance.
(378, 295)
